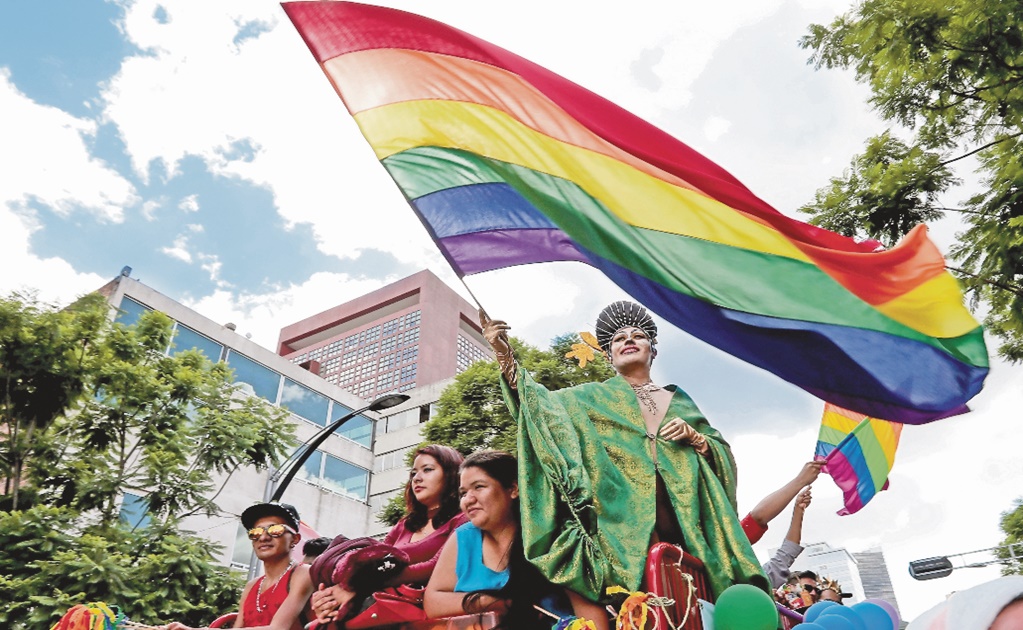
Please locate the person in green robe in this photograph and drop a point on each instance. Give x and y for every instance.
(607, 469)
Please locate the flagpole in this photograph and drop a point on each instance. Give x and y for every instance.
(471, 294)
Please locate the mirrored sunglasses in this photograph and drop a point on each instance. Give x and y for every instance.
(273, 531)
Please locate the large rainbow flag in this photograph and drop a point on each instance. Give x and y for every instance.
(859, 451)
(507, 163)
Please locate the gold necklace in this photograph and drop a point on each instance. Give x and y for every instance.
(644, 392)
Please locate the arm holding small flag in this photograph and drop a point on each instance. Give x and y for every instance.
(755, 523)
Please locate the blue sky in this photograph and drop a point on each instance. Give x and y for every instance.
(198, 143)
(183, 231)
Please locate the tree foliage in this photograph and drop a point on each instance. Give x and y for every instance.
(950, 72)
(1012, 525)
(45, 358)
(169, 427)
(885, 192)
(471, 412)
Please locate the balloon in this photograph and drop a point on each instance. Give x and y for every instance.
(874, 617)
(846, 613)
(808, 626)
(815, 611)
(745, 607)
(888, 608)
(835, 622)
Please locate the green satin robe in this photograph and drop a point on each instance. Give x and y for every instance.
(588, 491)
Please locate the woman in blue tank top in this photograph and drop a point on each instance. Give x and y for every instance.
(482, 567)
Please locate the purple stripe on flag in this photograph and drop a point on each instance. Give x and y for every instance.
(485, 251)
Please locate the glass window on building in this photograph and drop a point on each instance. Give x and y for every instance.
(129, 311)
(343, 478)
(359, 429)
(304, 402)
(311, 468)
(133, 511)
(241, 555)
(401, 420)
(187, 339)
(394, 459)
(264, 381)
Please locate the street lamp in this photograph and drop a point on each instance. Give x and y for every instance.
(302, 453)
(930, 568)
(942, 566)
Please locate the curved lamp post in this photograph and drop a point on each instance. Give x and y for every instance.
(288, 469)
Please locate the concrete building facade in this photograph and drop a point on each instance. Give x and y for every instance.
(412, 336)
(332, 489)
(414, 332)
(864, 575)
(877, 583)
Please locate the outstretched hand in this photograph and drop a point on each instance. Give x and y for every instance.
(495, 331)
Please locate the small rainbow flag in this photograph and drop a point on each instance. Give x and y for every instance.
(859, 452)
(507, 163)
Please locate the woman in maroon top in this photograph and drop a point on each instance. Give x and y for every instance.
(432, 513)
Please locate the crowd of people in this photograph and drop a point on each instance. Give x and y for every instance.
(603, 471)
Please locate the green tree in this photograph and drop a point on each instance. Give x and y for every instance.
(950, 74)
(45, 358)
(171, 428)
(1012, 525)
(471, 414)
(160, 426)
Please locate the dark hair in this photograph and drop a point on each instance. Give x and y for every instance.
(526, 585)
(808, 574)
(415, 512)
(316, 546)
(499, 465)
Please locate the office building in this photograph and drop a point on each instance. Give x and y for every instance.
(332, 489)
(414, 332)
(836, 564)
(877, 584)
(864, 575)
(412, 336)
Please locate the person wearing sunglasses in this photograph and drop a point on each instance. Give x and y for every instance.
(275, 600)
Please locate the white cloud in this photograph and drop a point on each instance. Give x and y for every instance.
(44, 158)
(212, 265)
(179, 249)
(53, 278)
(189, 203)
(715, 127)
(149, 208)
(262, 315)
